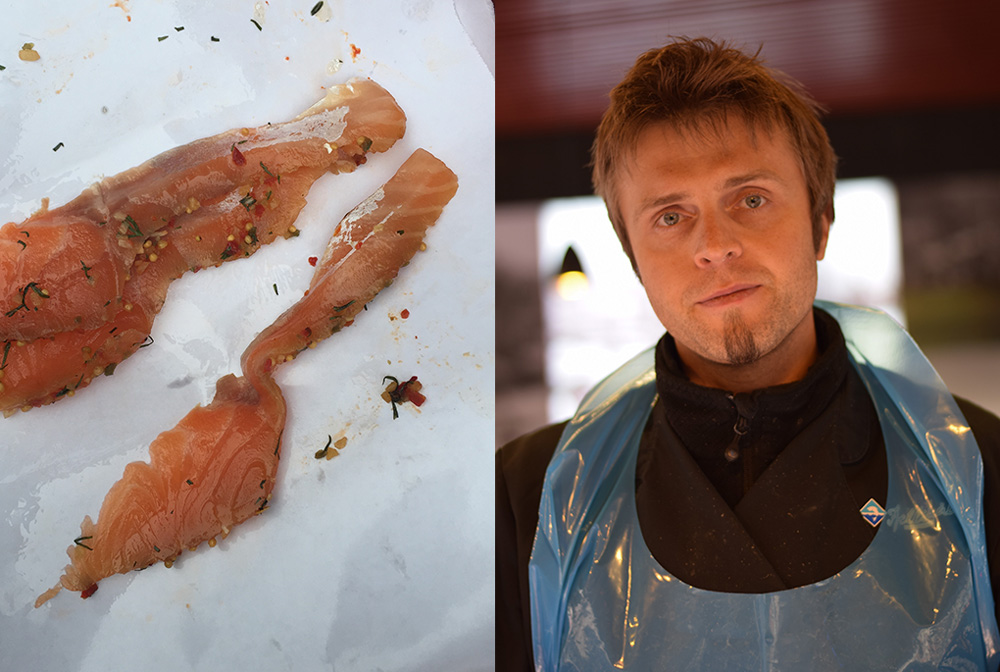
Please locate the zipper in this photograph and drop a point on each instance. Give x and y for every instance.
(745, 407)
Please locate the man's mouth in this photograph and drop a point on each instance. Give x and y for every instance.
(729, 295)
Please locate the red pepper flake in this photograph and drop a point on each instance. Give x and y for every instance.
(404, 313)
(358, 246)
(355, 51)
(313, 260)
(258, 210)
(238, 157)
(89, 591)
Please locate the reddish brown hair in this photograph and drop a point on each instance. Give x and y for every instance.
(696, 85)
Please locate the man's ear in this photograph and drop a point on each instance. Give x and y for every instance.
(824, 232)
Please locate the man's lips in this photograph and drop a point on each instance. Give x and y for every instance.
(729, 294)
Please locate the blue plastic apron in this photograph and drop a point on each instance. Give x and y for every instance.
(918, 598)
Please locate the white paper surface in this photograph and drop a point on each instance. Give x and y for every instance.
(379, 559)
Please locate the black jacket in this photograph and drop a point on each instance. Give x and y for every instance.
(755, 521)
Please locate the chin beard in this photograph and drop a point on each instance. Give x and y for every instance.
(741, 348)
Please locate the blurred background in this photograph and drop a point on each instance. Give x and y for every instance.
(912, 89)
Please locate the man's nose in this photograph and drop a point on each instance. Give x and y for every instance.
(717, 241)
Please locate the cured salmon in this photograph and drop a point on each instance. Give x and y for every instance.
(47, 369)
(217, 467)
(42, 289)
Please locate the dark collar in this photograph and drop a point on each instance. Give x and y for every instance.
(704, 418)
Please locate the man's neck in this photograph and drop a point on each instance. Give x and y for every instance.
(786, 363)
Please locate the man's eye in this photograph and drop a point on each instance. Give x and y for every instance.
(670, 218)
(754, 201)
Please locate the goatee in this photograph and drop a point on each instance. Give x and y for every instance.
(741, 348)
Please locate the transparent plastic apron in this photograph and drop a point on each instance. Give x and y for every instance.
(918, 598)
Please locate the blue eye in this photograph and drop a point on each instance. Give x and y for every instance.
(670, 218)
(754, 201)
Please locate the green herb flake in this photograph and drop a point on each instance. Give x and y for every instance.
(162, 37)
(190, 482)
(254, 22)
(275, 285)
(340, 308)
(2, 68)
(365, 143)
(315, 10)
(6, 351)
(24, 298)
(178, 28)
(156, 548)
(132, 229)
(86, 270)
(214, 38)
(109, 370)
(56, 148)
(22, 244)
(248, 201)
(277, 177)
(79, 542)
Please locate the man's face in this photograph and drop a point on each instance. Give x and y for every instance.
(720, 228)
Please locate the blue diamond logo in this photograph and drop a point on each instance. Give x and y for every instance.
(872, 512)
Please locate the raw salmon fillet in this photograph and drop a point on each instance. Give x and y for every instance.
(43, 290)
(47, 369)
(217, 467)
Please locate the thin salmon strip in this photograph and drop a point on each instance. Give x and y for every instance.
(48, 369)
(43, 290)
(217, 467)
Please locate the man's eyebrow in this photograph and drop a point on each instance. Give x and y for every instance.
(737, 180)
(658, 201)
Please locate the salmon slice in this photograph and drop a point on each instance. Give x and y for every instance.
(217, 467)
(42, 288)
(48, 369)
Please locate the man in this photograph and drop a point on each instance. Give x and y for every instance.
(779, 485)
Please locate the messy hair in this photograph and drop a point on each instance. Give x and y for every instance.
(696, 85)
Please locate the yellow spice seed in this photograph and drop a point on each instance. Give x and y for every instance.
(162, 244)
(198, 238)
(1, 374)
(25, 408)
(98, 370)
(20, 344)
(245, 132)
(292, 229)
(247, 239)
(168, 563)
(248, 226)
(148, 244)
(127, 306)
(231, 238)
(152, 256)
(423, 247)
(312, 344)
(1, 387)
(211, 542)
